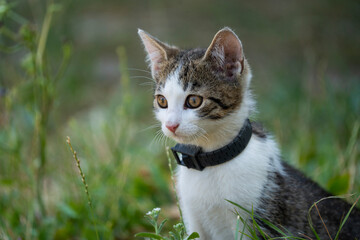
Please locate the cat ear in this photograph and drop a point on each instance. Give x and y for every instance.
(227, 52)
(157, 52)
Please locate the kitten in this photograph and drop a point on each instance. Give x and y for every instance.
(203, 101)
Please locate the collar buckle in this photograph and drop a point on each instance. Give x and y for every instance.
(186, 155)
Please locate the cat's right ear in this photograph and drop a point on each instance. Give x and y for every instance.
(157, 51)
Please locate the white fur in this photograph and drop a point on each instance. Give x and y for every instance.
(241, 180)
(176, 114)
(203, 194)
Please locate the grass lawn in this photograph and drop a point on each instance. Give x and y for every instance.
(77, 69)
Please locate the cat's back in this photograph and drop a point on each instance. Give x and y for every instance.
(289, 203)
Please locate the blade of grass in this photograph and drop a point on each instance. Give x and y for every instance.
(83, 179)
(244, 227)
(44, 34)
(323, 221)
(261, 219)
(307, 237)
(237, 228)
(45, 104)
(351, 153)
(345, 219)
(309, 212)
(256, 225)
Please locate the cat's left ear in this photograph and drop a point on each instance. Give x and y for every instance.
(157, 51)
(227, 52)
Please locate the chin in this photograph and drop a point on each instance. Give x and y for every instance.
(184, 139)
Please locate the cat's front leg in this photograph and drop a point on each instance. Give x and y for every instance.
(193, 224)
(193, 221)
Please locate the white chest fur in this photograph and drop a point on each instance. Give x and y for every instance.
(203, 194)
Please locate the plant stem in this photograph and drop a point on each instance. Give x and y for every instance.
(83, 179)
(41, 170)
(44, 105)
(43, 38)
(173, 185)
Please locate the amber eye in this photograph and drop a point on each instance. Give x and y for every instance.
(193, 101)
(161, 100)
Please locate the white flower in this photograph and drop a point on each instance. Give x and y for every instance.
(155, 212)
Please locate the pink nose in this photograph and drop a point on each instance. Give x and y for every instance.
(173, 127)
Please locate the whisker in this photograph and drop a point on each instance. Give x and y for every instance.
(157, 137)
(137, 69)
(151, 127)
(147, 84)
(163, 139)
(206, 139)
(166, 140)
(139, 76)
(202, 134)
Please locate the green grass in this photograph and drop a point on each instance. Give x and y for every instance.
(48, 91)
(252, 229)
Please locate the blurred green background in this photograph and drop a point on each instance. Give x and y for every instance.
(76, 68)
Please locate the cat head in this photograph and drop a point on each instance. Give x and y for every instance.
(201, 96)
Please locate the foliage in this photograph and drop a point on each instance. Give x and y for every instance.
(252, 229)
(179, 232)
(56, 80)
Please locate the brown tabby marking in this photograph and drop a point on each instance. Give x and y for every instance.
(222, 94)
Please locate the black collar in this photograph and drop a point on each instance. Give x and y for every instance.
(193, 157)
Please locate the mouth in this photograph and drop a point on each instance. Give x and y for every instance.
(180, 138)
(184, 136)
(174, 136)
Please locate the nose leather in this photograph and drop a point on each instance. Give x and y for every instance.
(173, 127)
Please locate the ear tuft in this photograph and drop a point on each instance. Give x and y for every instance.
(227, 52)
(157, 52)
